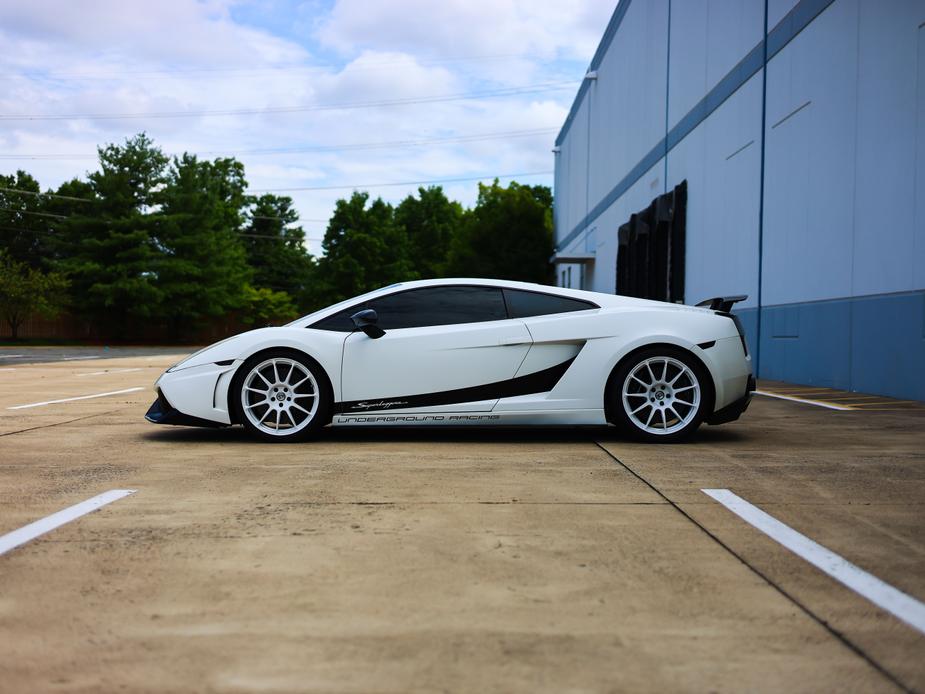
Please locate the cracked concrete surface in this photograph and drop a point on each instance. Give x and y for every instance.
(460, 560)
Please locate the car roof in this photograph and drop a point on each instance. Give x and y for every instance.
(510, 284)
(600, 299)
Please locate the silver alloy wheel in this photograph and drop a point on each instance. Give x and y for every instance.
(280, 396)
(661, 395)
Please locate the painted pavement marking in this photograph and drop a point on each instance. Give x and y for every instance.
(56, 520)
(899, 604)
(79, 397)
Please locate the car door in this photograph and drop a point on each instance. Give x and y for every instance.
(445, 348)
(559, 326)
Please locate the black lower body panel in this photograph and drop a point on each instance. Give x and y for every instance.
(733, 411)
(536, 382)
(162, 412)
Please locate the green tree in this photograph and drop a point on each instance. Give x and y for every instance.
(107, 248)
(364, 249)
(202, 269)
(26, 291)
(507, 235)
(276, 249)
(430, 221)
(25, 224)
(78, 205)
(264, 306)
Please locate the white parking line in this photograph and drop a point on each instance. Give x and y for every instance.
(56, 520)
(11, 356)
(77, 358)
(808, 402)
(111, 371)
(885, 596)
(79, 397)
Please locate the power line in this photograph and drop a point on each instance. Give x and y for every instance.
(308, 188)
(394, 144)
(293, 67)
(402, 183)
(239, 233)
(510, 91)
(65, 216)
(47, 195)
(28, 231)
(276, 236)
(300, 219)
(37, 214)
(67, 197)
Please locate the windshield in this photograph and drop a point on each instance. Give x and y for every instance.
(320, 313)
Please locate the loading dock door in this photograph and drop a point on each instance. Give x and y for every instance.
(650, 258)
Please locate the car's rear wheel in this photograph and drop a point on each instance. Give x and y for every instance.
(282, 396)
(660, 395)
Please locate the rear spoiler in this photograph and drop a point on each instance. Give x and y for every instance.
(722, 303)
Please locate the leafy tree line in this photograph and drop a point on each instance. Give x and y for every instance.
(178, 241)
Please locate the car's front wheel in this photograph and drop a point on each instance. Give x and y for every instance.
(282, 396)
(660, 395)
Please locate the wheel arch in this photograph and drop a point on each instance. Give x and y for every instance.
(234, 413)
(610, 384)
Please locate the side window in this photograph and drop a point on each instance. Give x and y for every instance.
(439, 306)
(447, 305)
(522, 304)
(339, 322)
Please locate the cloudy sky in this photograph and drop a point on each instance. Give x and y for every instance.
(311, 96)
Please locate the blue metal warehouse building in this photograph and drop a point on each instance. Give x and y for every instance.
(774, 148)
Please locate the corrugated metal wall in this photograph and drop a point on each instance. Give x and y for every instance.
(681, 94)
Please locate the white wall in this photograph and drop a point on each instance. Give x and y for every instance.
(844, 174)
(809, 161)
(708, 39)
(721, 161)
(638, 197)
(840, 175)
(573, 158)
(918, 221)
(628, 98)
(778, 9)
(889, 242)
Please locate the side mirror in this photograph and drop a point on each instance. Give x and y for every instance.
(367, 321)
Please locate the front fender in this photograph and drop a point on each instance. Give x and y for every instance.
(324, 346)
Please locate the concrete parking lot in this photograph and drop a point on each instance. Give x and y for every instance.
(447, 560)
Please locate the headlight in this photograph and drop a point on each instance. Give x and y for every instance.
(195, 354)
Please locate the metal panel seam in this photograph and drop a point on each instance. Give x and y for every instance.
(786, 30)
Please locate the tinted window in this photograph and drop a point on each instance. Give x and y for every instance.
(426, 307)
(525, 304)
(339, 322)
(439, 306)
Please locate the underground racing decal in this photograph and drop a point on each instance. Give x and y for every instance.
(537, 382)
(414, 418)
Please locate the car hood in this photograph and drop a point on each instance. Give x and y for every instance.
(229, 348)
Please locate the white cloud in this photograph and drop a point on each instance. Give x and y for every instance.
(104, 33)
(469, 27)
(99, 56)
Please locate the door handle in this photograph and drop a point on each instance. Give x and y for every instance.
(513, 341)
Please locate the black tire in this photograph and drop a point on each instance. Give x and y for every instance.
(291, 425)
(673, 411)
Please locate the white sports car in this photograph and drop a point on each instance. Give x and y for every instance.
(472, 351)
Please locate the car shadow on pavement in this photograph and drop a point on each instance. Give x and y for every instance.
(513, 435)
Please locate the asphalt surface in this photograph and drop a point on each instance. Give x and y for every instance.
(446, 560)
